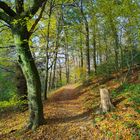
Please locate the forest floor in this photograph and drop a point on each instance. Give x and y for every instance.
(70, 114)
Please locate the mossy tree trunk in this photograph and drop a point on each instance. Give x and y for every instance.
(29, 69)
(17, 20)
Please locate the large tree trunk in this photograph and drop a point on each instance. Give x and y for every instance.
(106, 104)
(16, 19)
(31, 74)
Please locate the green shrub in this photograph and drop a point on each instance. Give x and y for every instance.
(13, 104)
(106, 69)
(131, 92)
(7, 87)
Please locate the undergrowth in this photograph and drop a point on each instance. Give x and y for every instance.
(13, 104)
(131, 92)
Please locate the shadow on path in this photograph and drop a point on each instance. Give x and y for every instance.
(80, 117)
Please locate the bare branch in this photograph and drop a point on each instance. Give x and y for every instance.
(34, 8)
(37, 20)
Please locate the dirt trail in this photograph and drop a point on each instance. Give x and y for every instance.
(67, 117)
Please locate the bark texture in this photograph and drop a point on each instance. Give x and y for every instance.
(29, 69)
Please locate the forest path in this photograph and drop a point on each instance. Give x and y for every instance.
(66, 116)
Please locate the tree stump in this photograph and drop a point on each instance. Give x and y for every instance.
(106, 104)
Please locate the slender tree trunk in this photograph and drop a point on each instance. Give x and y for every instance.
(60, 73)
(54, 73)
(67, 59)
(46, 79)
(47, 56)
(56, 49)
(116, 42)
(122, 58)
(87, 47)
(81, 57)
(81, 52)
(121, 50)
(55, 62)
(67, 65)
(100, 49)
(131, 48)
(94, 56)
(87, 38)
(116, 51)
(94, 50)
(29, 69)
(106, 47)
(50, 78)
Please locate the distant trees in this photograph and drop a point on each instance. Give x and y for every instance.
(97, 35)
